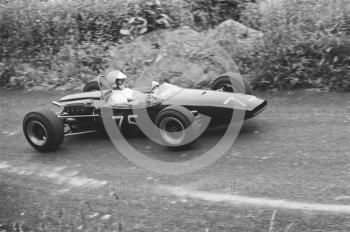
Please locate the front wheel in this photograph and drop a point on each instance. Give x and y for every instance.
(43, 130)
(232, 82)
(178, 127)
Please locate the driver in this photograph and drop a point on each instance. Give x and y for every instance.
(120, 79)
(120, 94)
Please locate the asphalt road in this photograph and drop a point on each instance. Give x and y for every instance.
(297, 150)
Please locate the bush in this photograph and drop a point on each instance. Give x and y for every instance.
(40, 34)
(206, 14)
(65, 40)
(307, 44)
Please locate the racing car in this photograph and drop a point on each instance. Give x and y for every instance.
(171, 108)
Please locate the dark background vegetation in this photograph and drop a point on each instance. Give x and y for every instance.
(54, 42)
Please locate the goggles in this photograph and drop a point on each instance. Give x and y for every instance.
(119, 81)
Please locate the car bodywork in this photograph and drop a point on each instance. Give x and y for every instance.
(180, 115)
(81, 112)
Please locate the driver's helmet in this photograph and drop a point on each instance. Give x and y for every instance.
(118, 78)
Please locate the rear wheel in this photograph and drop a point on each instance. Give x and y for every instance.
(232, 82)
(178, 127)
(91, 86)
(43, 130)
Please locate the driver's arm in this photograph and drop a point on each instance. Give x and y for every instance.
(155, 84)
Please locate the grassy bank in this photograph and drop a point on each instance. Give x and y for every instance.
(306, 44)
(52, 43)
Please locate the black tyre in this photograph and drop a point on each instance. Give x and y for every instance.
(178, 127)
(232, 82)
(43, 130)
(91, 86)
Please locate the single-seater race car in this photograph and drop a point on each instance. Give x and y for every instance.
(171, 108)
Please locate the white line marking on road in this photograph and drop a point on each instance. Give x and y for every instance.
(260, 202)
(4, 165)
(60, 175)
(12, 133)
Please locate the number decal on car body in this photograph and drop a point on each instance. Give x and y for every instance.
(130, 117)
(120, 118)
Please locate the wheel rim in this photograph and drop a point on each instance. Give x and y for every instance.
(37, 133)
(224, 87)
(172, 130)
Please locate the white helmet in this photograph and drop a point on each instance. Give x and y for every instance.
(116, 77)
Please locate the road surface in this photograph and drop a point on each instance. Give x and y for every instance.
(297, 151)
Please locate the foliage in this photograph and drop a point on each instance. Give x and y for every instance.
(209, 13)
(307, 44)
(55, 42)
(146, 17)
(52, 42)
(69, 38)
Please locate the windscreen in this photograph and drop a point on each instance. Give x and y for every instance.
(166, 90)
